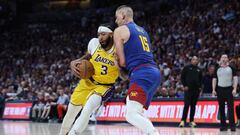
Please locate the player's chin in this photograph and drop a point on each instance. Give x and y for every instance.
(103, 45)
(120, 23)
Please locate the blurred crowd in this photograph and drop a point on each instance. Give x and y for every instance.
(35, 57)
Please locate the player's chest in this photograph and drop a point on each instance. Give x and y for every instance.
(101, 57)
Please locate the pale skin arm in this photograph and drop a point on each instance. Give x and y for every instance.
(121, 36)
(214, 83)
(235, 83)
(122, 74)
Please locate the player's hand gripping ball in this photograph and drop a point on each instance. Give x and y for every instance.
(83, 69)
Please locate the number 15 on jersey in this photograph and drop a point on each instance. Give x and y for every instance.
(144, 43)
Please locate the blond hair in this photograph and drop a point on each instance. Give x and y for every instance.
(125, 10)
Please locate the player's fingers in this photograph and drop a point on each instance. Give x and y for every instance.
(73, 64)
(75, 71)
(76, 74)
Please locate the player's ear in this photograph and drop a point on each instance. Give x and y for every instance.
(123, 17)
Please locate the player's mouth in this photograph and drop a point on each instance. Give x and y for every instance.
(102, 42)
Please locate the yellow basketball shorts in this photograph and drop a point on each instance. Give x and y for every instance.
(85, 89)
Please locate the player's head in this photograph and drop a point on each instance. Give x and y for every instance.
(224, 59)
(124, 15)
(105, 35)
(194, 60)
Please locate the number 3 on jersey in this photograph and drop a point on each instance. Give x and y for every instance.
(144, 43)
(104, 70)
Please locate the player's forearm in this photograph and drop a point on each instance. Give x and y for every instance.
(84, 57)
(120, 57)
(235, 82)
(123, 74)
(214, 82)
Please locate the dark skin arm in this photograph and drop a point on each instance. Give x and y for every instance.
(74, 63)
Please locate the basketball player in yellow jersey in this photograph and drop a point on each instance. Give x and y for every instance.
(89, 93)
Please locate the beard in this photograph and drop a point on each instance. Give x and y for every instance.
(106, 44)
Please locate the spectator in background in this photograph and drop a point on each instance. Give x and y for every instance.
(207, 80)
(53, 111)
(38, 107)
(121, 89)
(166, 70)
(164, 92)
(46, 108)
(171, 92)
(191, 78)
(238, 115)
(22, 91)
(62, 103)
(179, 88)
(4, 93)
(2, 102)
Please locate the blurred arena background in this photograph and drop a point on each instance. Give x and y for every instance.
(39, 38)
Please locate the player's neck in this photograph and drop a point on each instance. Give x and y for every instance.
(128, 21)
(109, 46)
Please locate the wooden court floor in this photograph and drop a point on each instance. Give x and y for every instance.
(30, 128)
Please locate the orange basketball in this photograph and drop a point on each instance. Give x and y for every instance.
(85, 69)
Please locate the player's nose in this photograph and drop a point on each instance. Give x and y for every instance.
(100, 37)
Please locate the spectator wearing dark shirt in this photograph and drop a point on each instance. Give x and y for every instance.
(207, 80)
(3, 97)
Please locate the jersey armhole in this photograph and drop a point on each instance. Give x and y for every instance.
(130, 34)
(95, 50)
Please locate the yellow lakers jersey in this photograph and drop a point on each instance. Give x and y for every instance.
(106, 72)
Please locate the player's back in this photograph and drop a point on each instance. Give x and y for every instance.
(137, 49)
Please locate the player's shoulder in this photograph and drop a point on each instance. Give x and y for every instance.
(122, 32)
(121, 28)
(93, 45)
(94, 41)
